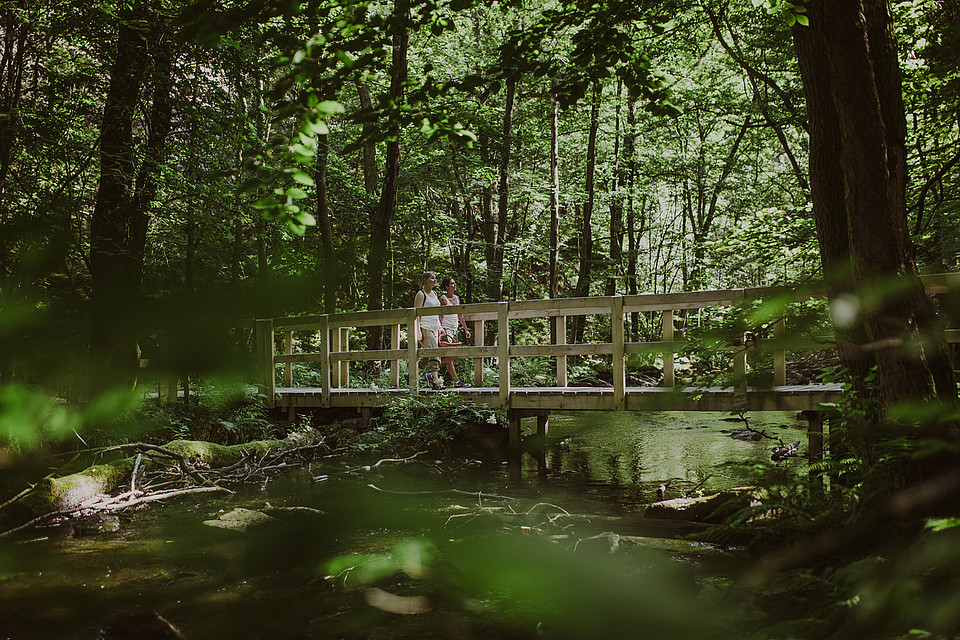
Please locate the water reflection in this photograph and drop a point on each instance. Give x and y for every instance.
(624, 457)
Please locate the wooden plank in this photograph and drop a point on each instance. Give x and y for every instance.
(413, 374)
(667, 335)
(935, 283)
(779, 355)
(552, 350)
(395, 360)
(265, 356)
(503, 353)
(288, 349)
(334, 348)
(619, 364)
(513, 429)
(562, 357)
(388, 354)
(345, 364)
(325, 381)
(478, 362)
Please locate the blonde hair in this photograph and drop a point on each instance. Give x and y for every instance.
(426, 276)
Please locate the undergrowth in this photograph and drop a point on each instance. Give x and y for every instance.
(431, 423)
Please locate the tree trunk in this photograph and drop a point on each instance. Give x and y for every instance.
(616, 210)
(495, 271)
(383, 219)
(329, 257)
(148, 178)
(554, 284)
(12, 71)
(634, 230)
(114, 335)
(586, 231)
(848, 62)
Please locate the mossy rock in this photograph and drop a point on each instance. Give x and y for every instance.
(69, 492)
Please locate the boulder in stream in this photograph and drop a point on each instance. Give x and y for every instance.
(704, 509)
(240, 519)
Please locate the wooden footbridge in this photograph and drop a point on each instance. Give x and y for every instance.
(325, 341)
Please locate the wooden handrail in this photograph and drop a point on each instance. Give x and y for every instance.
(335, 354)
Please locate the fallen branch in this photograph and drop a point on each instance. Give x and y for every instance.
(456, 492)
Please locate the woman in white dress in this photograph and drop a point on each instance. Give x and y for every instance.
(451, 324)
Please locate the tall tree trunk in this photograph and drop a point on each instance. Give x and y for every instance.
(554, 285)
(495, 271)
(859, 63)
(114, 335)
(634, 230)
(329, 257)
(148, 178)
(383, 219)
(616, 210)
(586, 230)
(16, 38)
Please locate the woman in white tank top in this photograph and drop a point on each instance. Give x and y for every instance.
(451, 323)
(427, 328)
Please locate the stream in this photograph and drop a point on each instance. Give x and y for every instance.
(398, 550)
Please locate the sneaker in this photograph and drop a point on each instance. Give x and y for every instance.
(434, 381)
(461, 384)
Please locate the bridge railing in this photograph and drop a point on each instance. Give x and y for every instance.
(334, 353)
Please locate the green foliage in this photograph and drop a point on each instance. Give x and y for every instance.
(287, 168)
(33, 419)
(524, 585)
(221, 412)
(792, 13)
(424, 423)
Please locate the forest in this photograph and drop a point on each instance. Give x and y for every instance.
(172, 170)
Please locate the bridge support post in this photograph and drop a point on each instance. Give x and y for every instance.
(561, 360)
(513, 452)
(268, 383)
(503, 355)
(325, 381)
(412, 367)
(478, 362)
(814, 437)
(335, 366)
(513, 429)
(780, 355)
(667, 336)
(394, 364)
(619, 364)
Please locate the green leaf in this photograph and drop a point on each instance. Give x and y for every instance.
(329, 107)
(301, 150)
(306, 219)
(265, 203)
(296, 193)
(301, 177)
(803, 20)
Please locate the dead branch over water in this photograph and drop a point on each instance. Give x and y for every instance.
(160, 473)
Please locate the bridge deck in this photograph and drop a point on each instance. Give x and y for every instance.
(533, 399)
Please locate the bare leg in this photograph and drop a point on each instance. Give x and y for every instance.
(452, 371)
